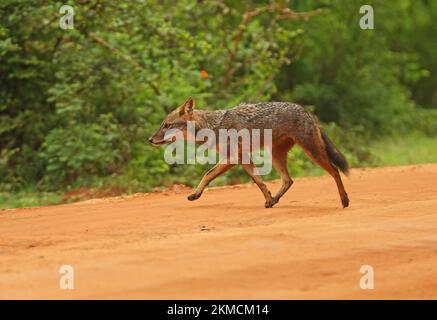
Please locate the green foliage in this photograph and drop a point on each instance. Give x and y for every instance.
(352, 76)
(27, 198)
(80, 102)
(76, 106)
(413, 149)
(82, 150)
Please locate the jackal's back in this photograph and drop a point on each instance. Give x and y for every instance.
(284, 118)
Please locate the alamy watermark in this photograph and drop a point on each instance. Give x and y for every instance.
(67, 20)
(367, 278)
(366, 21)
(234, 147)
(66, 282)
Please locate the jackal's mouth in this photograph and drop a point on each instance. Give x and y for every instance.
(160, 142)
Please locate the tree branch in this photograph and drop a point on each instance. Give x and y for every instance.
(282, 13)
(126, 57)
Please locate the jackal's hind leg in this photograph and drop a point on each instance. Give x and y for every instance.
(320, 156)
(333, 171)
(279, 157)
(217, 170)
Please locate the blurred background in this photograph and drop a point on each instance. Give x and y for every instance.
(77, 105)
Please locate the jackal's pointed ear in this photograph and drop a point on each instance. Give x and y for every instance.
(187, 107)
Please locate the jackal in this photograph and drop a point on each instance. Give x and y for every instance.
(290, 125)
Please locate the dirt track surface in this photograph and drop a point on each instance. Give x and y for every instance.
(226, 245)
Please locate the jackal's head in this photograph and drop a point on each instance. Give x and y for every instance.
(176, 119)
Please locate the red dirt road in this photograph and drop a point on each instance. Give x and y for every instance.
(226, 245)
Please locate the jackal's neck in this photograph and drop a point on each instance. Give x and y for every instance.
(206, 119)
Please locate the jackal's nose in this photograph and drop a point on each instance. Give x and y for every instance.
(150, 140)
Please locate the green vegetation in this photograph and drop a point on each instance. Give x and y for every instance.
(76, 106)
(28, 198)
(412, 149)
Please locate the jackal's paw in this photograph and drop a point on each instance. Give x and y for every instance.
(345, 202)
(193, 197)
(271, 202)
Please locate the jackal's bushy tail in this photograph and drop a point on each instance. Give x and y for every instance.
(335, 156)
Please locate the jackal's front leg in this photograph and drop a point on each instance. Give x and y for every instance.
(250, 169)
(217, 170)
